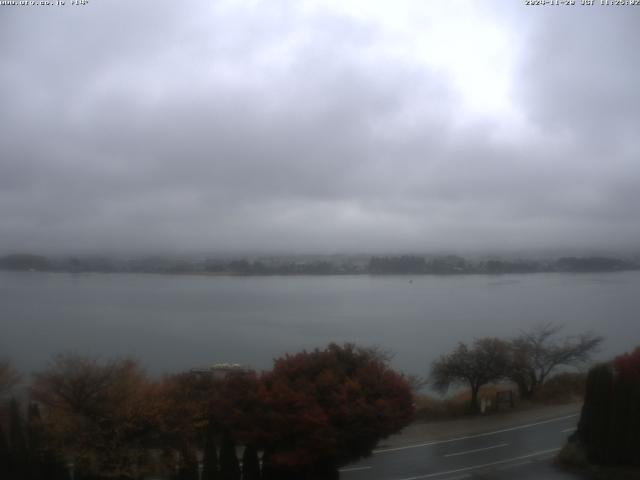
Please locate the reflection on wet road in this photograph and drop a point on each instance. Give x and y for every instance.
(522, 450)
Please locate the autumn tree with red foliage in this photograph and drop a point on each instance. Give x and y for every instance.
(185, 408)
(236, 406)
(197, 405)
(314, 412)
(628, 366)
(325, 408)
(198, 409)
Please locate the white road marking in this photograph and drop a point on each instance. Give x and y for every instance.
(477, 450)
(514, 465)
(568, 430)
(484, 465)
(353, 469)
(438, 442)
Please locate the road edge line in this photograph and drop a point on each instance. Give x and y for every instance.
(457, 439)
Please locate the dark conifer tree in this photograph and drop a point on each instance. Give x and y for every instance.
(250, 464)
(35, 442)
(210, 456)
(593, 428)
(4, 456)
(53, 467)
(229, 466)
(188, 469)
(17, 442)
(45, 463)
(267, 471)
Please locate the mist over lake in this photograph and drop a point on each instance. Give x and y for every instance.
(173, 323)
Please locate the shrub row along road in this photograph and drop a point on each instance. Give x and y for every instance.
(498, 454)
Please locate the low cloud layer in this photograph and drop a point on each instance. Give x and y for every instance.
(318, 127)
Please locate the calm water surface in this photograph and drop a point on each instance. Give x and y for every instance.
(177, 322)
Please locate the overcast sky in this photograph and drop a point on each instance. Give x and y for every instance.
(331, 126)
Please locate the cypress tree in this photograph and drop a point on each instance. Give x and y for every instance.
(609, 426)
(53, 467)
(634, 427)
(17, 442)
(188, 466)
(274, 472)
(267, 469)
(250, 464)
(623, 445)
(594, 425)
(616, 441)
(35, 442)
(210, 456)
(324, 472)
(4, 456)
(44, 463)
(229, 466)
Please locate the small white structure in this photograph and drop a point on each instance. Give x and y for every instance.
(221, 370)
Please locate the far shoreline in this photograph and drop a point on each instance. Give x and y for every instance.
(327, 275)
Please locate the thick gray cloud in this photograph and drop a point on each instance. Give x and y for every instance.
(160, 126)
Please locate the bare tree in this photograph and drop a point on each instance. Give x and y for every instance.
(100, 413)
(74, 383)
(417, 382)
(9, 377)
(536, 353)
(385, 355)
(484, 362)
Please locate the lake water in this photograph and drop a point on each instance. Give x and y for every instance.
(174, 323)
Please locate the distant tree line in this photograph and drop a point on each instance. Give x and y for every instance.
(527, 360)
(377, 265)
(453, 264)
(317, 267)
(25, 261)
(313, 412)
(409, 264)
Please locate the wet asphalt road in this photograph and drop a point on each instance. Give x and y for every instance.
(524, 452)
